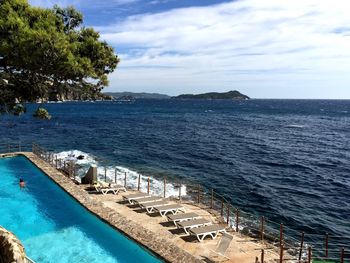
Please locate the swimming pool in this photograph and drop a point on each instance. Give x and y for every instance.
(54, 227)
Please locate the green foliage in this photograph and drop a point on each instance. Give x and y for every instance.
(42, 113)
(47, 53)
(230, 95)
(18, 109)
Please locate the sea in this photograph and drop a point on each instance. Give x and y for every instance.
(288, 160)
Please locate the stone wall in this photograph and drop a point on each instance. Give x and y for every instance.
(11, 249)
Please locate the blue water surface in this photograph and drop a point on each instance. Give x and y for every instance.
(285, 159)
(53, 226)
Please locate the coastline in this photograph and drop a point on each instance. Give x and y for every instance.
(149, 231)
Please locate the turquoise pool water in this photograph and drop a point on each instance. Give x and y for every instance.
(53, 226)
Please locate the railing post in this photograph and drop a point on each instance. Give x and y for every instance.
(105, 174)
(125, 179)
(180, 191)
(212, 199)
(262, 228)
(301, 245)
(281, 235)
(222, 207)
(309, 255)
(148, 185)
(326, 245)
(115, 175)
(138, 182)
(262, 256)
(74, 171)
(198, 194)
(56, 162)
(342, 255)
(228, 214)
(281, 254)
(164, 187)
(237, 219)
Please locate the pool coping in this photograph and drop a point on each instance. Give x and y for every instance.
(159, 246)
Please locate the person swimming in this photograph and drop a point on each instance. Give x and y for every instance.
(22, 183)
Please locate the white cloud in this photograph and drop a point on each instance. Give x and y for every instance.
(270, 48)
(265, 48)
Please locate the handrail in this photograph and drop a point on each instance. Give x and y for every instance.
(14, 146)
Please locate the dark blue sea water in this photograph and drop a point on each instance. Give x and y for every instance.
(285, 159)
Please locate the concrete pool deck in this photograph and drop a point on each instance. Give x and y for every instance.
(154, 232)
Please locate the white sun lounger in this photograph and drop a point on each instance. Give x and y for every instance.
(131, 198)
(222, 247)
(119, 187)
(147, 199)
(152, 205)
(163, 210)
(189, 224)
(182, 217)
(105, 190)
(210, 230)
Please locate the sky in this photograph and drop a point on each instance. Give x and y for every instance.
(263, 48)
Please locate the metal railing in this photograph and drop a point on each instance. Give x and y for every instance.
(15, 146)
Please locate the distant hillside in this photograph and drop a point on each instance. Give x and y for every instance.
(231, 95)
(142, 95)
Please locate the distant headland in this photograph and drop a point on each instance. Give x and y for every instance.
(230, 95)
(134, 95)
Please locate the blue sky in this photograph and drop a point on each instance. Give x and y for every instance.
(263, 48)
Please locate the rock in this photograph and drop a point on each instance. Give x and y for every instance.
(42, 113)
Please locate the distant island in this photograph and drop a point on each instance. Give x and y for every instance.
(230, 95)
(134, 95)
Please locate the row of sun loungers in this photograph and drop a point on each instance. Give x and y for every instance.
(190, 222)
